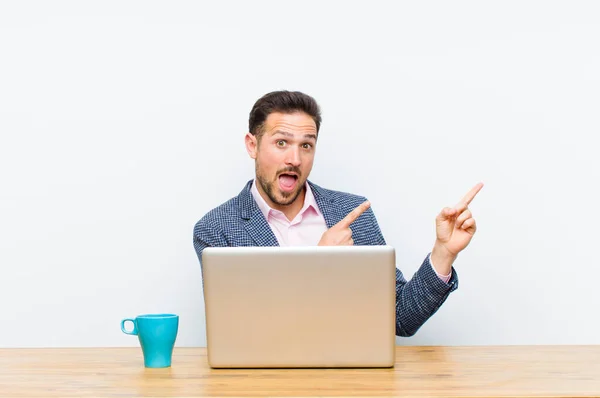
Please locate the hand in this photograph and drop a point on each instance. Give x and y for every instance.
(456, 226)
(341, 234)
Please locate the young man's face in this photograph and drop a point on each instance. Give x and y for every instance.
(284, 155)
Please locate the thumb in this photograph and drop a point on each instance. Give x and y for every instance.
(447, 214)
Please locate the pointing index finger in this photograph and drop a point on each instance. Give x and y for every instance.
(354, 214)
(471, 194)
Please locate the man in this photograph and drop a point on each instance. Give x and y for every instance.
(282, 207)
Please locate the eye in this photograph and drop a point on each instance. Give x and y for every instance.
(281, 143)
(306, 145)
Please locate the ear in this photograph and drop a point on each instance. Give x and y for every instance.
(251, 145)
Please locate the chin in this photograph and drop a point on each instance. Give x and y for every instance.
(285, 198)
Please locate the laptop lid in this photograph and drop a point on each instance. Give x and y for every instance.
(313, 306)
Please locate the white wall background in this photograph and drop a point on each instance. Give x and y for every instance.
(122, 123)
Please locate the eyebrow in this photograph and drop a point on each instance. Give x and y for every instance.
(288, 134)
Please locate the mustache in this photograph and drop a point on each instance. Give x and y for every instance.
(290, 170)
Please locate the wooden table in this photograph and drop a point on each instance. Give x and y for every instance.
(419, 371)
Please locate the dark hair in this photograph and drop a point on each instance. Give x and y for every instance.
(284, 102)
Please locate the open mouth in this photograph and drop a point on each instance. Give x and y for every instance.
(288, 181)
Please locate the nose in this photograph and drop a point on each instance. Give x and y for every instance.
(293, 157)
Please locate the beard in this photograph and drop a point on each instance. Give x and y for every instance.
(271, 187)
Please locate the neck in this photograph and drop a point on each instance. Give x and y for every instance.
(291, 210)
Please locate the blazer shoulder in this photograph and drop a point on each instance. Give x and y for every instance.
(220, 217)
(343, 199)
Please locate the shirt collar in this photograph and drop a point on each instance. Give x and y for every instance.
(309, 201)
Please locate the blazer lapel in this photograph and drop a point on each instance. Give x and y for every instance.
(327, 206)
(255, 223)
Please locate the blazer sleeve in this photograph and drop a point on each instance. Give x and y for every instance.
(420, 297)
(207, 234)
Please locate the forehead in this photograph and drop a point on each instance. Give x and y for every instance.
(297, 122)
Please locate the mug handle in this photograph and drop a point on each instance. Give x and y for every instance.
(134, 331)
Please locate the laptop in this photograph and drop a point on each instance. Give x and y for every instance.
(300, 307)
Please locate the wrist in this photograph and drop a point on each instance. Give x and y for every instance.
(442, 259)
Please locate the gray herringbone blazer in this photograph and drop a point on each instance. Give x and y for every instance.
(239, 222)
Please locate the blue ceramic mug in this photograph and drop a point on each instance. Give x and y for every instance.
(157, 334)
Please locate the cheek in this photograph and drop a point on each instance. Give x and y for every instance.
(268, 161)
(307, 162)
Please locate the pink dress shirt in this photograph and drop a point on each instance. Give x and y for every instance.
(306, 228)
